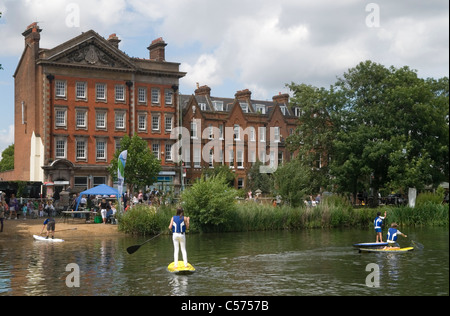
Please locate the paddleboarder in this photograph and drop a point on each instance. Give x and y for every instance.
(392, 236)
(50, 222)
(378, 222)
(179, 224)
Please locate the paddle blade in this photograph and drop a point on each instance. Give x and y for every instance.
(133, 249)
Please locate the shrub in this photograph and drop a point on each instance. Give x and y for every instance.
(209, 203)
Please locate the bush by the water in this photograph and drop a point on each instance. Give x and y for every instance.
(144, 220)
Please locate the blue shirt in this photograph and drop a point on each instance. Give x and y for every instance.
(178, 225)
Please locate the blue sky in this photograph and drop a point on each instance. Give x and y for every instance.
(239, 44)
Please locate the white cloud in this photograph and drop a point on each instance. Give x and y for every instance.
(260, 44)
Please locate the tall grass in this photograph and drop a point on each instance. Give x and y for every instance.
(334, 212)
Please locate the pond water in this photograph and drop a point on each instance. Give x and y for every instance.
(282, 263)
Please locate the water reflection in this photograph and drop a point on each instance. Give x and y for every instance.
(271, 263)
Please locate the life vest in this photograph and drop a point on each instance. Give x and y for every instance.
(178, 225)
(378, 222)
(392, 235)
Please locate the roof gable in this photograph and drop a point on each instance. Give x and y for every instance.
(89, 50)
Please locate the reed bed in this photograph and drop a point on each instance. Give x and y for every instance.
(250, 216)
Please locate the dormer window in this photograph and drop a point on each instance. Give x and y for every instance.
(260, 108)
(218, 105)
(244, 107)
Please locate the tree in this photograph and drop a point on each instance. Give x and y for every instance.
(396, 128)
(292, 182)
(382, 128)
(258, 180)
(142, 167)
(7, 161)
(222, 171)
(315, 133)
(210, 202)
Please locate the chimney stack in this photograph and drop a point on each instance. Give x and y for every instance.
(158, 50)
(114, 40)
(32, 36)
(203, 90)
(281, 98)
(244, 95)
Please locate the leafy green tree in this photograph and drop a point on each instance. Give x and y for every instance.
(394, 129)
(209, 202)
(292, 182)
(142, 167)
(258, 180)
(222, 171)
(7, 161)
(381, 128)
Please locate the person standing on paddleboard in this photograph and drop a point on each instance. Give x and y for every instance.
(179, 224)
(378, 222)
(50, 222)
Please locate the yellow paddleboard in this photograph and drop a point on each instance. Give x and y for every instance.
(181, 269)
(387, 250)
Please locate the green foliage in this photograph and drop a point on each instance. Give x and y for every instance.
(383, 128)
(258, 180)
(429, 197)
(294, 182)
(209, 203)
(144, 220)
(220, 170)
(142, 167)
(7, 161)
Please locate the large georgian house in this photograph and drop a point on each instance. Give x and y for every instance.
(75, 102)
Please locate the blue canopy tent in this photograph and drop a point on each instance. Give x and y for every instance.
(98, 190)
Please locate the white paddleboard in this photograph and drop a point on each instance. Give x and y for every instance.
(50, 239)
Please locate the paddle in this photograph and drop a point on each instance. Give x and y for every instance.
(417, 245)
(64, 230)
(135, 248)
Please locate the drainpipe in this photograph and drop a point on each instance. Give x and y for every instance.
(51, 114)
(129, 85)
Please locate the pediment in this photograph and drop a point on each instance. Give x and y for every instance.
(93, 51)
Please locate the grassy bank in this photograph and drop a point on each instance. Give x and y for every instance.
(143, 220)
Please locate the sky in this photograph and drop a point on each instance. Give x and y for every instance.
(260, 45)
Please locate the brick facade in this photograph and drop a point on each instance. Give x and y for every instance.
(75, 102)
(249, 130)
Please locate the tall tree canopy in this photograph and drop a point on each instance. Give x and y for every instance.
(382, 128)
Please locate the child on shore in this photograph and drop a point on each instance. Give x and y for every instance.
(24, 211)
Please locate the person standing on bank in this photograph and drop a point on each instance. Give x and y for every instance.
(104, 206)
(179, 224)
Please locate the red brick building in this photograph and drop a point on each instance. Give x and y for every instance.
(236, 132)
(75, 102)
